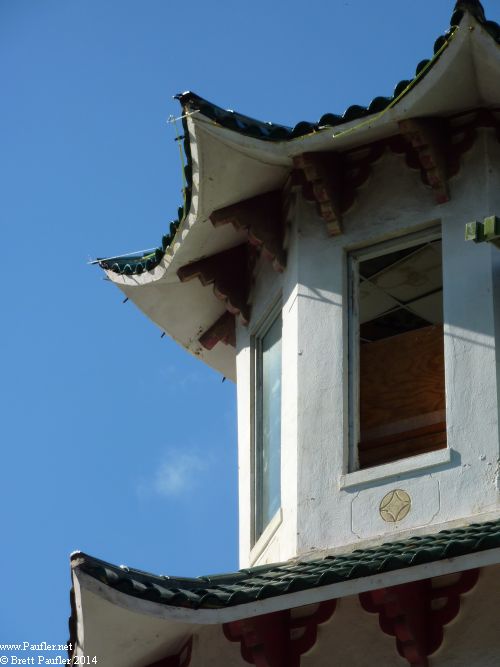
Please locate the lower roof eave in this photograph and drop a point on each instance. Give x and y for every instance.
(205, 616)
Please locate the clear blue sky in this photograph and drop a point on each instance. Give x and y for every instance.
(115, 441)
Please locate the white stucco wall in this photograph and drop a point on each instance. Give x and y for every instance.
(211, 648)
(323, 507)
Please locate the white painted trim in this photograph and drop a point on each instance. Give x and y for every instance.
(292, 600)
(80, 628)
(430, 231)
(266, 536)
(396, 468)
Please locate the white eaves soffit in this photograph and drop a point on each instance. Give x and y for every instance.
(134, 633)
(120, 635)
(229, 167)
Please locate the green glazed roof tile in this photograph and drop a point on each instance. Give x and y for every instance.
(267, 581)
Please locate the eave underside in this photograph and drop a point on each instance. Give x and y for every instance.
(157, 614)
(464, 77)
(122, 632)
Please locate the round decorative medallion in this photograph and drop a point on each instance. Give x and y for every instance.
(395, 506)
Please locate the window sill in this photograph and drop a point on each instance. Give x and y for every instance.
(266, 536)
(387, 470)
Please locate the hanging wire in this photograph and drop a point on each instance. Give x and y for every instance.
(412, 83)
(140, 253)
(149, 252)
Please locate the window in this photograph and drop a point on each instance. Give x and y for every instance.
(396, 351)
(267, 424)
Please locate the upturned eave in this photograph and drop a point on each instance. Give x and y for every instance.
(221, 146)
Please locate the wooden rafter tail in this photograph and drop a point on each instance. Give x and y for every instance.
(230, 274)
(222, 330)
(322, 173)
(429, 137)
(180, 659)
(262, 219)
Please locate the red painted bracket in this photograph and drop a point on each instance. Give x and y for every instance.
(262, 218)
(278, 639)
(230, 274)
(416, 613)
(429, 137)
(436, 145)
(321, 175)
(223, 330)
(331, 180)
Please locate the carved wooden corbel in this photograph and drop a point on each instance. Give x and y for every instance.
(180, 659)
(332, 179)
(321, 174)
(357, 169)
(429, 137)
(463, 133)
(278, 639)
(416, 613)
(488, 118)
(222, 330)
(230, 274)
(262, 218)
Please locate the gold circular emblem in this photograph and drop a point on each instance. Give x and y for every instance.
(395, 505)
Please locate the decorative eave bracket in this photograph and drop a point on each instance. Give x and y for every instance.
(222, 330)
(429, 138)
(416, 613)
(278, 639)
(230, 274)
(435, 145)
(262, 217)
(486, 231)
(331, 179)
(321, 175)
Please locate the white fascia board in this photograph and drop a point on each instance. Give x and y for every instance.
(77, 649)
(292, 600)
(486, 59)
(216, 165)
(450, 85)
(121, 636)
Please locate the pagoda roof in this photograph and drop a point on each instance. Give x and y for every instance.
(221, 144)
(100, 586)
